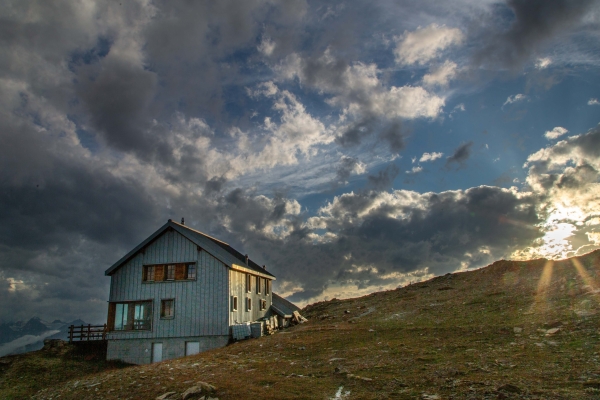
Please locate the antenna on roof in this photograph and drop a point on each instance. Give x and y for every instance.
(182, 221)
(246, 259)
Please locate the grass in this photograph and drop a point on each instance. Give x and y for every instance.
(453, 337)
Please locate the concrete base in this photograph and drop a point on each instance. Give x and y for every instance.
(139, 351)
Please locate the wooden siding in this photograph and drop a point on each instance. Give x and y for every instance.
(201, 305)
(237, 287)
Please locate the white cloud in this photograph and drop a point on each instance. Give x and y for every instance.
(358, 90)
(415, 170)
(543, 62)
(441, 75)
(425, 44)
(593, 102)
(430, 156)
(556, 132)
(514, 98)
(267, 46)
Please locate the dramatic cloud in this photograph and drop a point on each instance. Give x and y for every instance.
(593, 102)
(567, 177)
(532, 25)
(282, 128)
(425, 44)
(555, 133)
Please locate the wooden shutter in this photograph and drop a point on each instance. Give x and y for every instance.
(179, 272)
(110, 323)
(159, 273)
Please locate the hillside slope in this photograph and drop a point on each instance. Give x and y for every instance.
(510, 330)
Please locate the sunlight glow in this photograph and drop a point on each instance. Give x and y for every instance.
(540, 303)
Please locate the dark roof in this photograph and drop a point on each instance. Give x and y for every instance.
(283, 307)
(193, 235)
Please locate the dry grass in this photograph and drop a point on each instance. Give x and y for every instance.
(453, 336)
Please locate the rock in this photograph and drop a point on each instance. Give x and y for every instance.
(166, 396)
(206, 387)
(509, 388)
(301, 348)
(346, 311)
(426, 396)
(517, 329)
(552, 331)
(192, 393)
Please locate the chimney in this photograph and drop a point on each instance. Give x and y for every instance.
(265, 267)
(246, 259)
(182, 221)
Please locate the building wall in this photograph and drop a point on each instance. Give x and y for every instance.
(237, 287)
(139, 351)
(201, 305)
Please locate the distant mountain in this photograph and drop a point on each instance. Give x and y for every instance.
(21, 337)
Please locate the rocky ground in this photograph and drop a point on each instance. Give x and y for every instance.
(526, 330)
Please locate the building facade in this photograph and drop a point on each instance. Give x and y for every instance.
(178, 293)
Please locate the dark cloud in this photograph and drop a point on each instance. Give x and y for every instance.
(394, 135)
(534, 23)
(442, 232)
(117, 96)
(384, 178)
(460, 155)
(346, 167)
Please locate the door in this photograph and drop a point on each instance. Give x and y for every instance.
(156, 352)
(192, 348)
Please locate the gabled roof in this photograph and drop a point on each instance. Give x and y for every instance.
(196, 237)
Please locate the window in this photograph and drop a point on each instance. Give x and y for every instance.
(170, 273)
(263, 304)
(167, 308)
(148, 273)
(190, 272)
(132, 315)
(267, 286)
(258, 285)
(248, 283)
(248, 304)
(234, 303)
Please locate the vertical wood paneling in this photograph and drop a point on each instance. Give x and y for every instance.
(201, 307)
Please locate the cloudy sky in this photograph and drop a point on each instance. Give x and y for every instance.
(351, 146)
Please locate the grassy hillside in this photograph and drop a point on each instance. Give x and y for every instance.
(510, 330)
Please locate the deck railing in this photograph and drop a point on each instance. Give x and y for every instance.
(87, 332)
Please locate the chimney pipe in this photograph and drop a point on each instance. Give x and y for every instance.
(182, 221)
(265, 267)
(246, 259)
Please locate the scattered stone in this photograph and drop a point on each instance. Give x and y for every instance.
(362, 378)
(194, 392)
(346, 311)
(509, 388)
(426, 396)
(301, 348)
(552, 331)
(166, 396)
(517, 329)
(206, 387)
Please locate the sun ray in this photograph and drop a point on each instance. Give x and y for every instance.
(540, 303)
(587, 279)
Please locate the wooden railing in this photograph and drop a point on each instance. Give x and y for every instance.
(87, 332)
